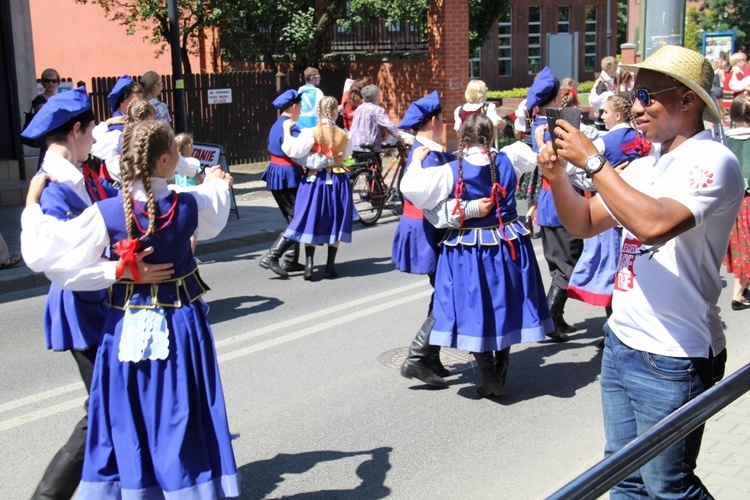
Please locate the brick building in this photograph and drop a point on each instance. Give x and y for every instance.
(517, 47)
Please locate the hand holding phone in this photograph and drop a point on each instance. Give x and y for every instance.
(570, 115)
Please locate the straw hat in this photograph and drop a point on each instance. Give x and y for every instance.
(687, 67)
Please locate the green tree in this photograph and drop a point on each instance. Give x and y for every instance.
(622, 22)
(721, 15)
(152, 15)
(693, 31)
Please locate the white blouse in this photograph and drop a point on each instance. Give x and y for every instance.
(298, 147)
(70, 252)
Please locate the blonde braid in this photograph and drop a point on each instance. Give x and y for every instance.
(142, 148)
(126, 172)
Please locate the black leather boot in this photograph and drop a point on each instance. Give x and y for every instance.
(61, 478)
(491, 385)
(290, 262)
(271, 259)
(418, 363)
(309, 254)
(330, 270)
(556, 298)
(502, 359)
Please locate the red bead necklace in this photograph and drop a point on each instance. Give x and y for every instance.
(167, 217)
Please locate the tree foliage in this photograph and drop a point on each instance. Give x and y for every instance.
(721, 15)
(622, 22)
(152, 15)
(693, 32)
(266, 30)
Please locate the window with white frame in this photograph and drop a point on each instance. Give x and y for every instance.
(535, 39)
(504, 31)
(393, 26)
(475, 63)
(590, 57)
(563, 19)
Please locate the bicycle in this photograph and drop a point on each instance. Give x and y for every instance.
(369, 189)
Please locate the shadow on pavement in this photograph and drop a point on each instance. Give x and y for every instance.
(260, 479)
(236, 307)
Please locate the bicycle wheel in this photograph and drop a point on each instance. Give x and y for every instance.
(368, 197)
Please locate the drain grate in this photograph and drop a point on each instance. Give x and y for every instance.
(453, 359)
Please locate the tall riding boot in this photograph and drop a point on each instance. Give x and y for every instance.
(417, 363)
(502, 358)
(556, 298)
(290, 262)
(271, 259)
(61, 478)
(309, 254)
(491, 384)
(330, 270)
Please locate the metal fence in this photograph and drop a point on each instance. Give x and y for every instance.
(377, 36)
(241, 125)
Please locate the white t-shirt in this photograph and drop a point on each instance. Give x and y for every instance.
(665, 296)
(473, 106)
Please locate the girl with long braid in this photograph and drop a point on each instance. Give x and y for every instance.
(323, 208)
(157, 421)
(488, 290)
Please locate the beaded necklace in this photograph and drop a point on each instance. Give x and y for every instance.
(166, 217)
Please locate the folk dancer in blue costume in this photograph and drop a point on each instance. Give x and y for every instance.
(489, 293)
(323, 210)
(560, 250)
(415, 243)
(157, 422)
(593, 277)
(108, 133)
(283, 176)
(73, 321)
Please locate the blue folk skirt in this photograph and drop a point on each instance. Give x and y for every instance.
(593, 277)
(414, 247)
(486, 300)
(74, 320)
(158, 428)
(281, 176)
(323, 210)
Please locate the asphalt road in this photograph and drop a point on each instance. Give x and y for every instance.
(314, 397)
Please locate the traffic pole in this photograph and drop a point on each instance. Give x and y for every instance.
(180, 115)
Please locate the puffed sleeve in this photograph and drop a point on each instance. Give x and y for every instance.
(188, 166)
(297, 147)
(521, 156)
(214, 201)
(97, 277)
(49, 244)
(426, 187)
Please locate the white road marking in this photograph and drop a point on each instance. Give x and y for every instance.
(375, 300)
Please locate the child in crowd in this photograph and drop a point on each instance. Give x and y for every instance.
(157, 421)
(185, 147)
(488, 290)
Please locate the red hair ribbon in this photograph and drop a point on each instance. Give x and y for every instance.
(127, 249)
(498, 193)
(639, 144)
(459, 191)
(573, 92)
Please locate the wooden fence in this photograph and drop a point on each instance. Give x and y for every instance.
(240, 126)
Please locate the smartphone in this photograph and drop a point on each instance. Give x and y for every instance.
(570, 115)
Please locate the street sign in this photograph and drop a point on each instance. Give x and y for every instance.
(718, 45)
(214, 154)
(219, 96)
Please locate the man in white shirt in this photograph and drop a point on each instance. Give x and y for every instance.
(664, 343)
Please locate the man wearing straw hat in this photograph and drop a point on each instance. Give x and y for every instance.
(664, 342)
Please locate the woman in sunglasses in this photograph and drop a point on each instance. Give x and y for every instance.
(50, 82)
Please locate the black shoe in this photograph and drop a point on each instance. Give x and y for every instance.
(411, 369)
(740, 305)
(308, 269)
(271, 259)
(292, 267)
(557, 336)
(331, 272)
(61, 478)
(437, 367)
(330, 269)
(492, 385)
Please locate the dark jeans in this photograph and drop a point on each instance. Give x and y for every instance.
(77, 440)
(638, 390)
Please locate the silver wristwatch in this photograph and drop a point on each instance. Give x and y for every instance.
(593, 164)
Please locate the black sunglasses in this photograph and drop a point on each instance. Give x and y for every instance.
(47, 80)
(645, 97)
